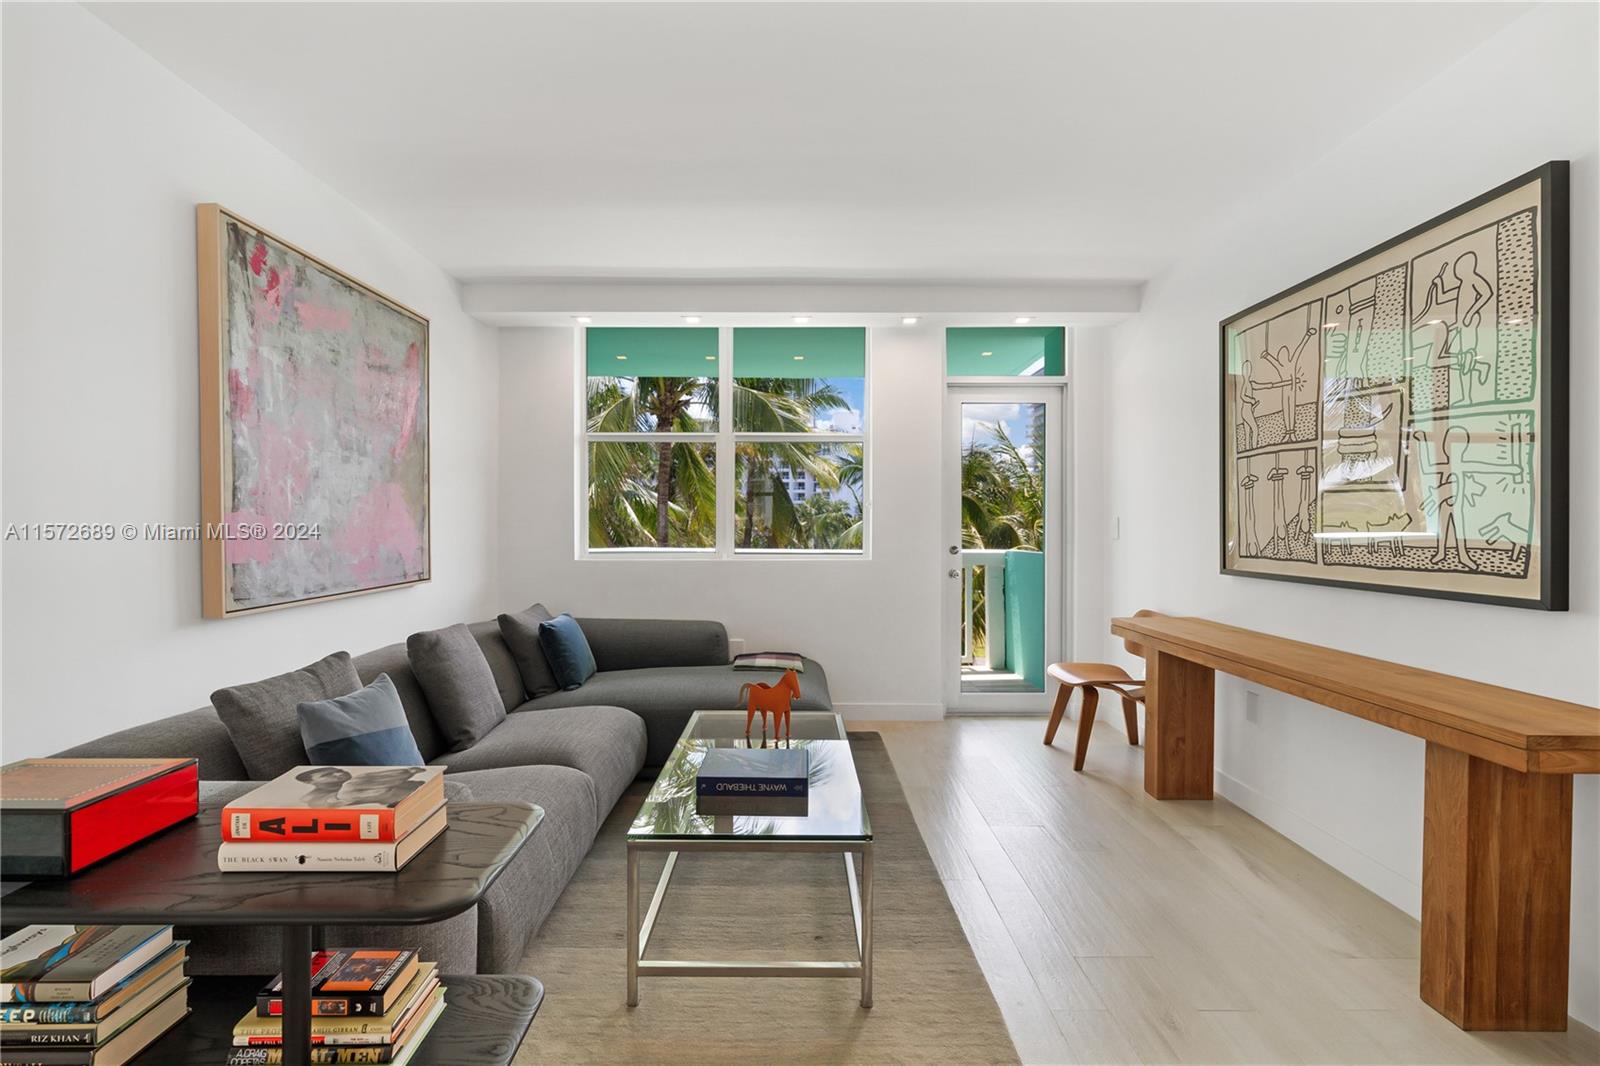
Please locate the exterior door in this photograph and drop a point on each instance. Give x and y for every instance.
(1002, 564)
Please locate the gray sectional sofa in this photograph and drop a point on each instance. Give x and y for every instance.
(572, 753)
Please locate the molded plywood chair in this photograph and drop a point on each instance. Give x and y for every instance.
(1091, 677)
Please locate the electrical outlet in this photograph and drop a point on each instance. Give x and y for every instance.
(1252, 706)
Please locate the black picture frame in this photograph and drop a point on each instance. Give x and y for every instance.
(1552, 432)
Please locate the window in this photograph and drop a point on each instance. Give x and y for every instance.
(1005, 352)
(724, 441)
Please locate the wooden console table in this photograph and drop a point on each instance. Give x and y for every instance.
(1497, 798)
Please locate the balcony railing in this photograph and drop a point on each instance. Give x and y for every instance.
(993, 563)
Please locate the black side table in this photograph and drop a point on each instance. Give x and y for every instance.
(173, 879)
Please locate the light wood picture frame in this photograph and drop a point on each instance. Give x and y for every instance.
(314, 428)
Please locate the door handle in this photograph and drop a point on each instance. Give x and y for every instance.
(955, 549)
(955, 573)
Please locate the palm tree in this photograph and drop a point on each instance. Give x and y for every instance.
(1002, 501)
(665, 492)
(683, 477)
(827, 524)
(779, 405)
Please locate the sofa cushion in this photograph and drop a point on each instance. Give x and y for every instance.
(521, 634)
(461, 689)
(199, 733)
(502, 664)
(568, 651)
(392, 660)
(366, 728)
(607, 743)
(261, 719)
(665, 696)
(638, 643)
(567, 796)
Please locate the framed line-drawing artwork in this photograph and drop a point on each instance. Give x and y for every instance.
(1399, 422)
(313, 427)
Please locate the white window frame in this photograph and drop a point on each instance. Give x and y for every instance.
(725, 442)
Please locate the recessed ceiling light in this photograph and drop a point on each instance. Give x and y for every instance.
(1022, 320)
(909, 320)
(711, 359)
(582, 320)
(798, 358)
(986, 354)
(622, 357)
(693, 320)
(800, 320)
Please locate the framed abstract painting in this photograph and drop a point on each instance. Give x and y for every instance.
(313, 424)
(1399, 422)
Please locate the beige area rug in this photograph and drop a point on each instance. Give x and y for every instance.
(930, 1000)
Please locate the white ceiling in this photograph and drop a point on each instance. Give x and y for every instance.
(847, 141)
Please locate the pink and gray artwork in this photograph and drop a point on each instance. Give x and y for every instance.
(325, 457)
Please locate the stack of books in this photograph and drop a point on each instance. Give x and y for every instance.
(334, 819)
(88, 995)
(755, 781)
(367, 1005)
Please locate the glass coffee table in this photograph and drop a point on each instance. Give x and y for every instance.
(836, 821)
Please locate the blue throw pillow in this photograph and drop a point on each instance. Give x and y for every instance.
(568, 651)
(366, 728)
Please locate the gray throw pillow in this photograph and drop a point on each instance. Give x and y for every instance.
(461, 689)
(261, 717)
(521, 633)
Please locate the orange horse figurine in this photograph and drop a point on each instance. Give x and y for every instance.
(770, 699)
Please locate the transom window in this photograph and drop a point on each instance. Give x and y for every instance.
(724, 442)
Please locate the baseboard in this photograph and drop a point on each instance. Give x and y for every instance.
(1389, 884)
(890, 712)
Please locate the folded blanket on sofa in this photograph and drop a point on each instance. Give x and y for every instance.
(770, 660)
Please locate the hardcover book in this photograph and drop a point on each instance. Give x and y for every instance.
(756, 781)
(368, 804)
(81, 1012)
(59, 816)
(121, 1048)
(387, 1028)
(97, 1033)
(397, 1054)
(346, 982)
(753, 772)
(52, 963)
(319, 857)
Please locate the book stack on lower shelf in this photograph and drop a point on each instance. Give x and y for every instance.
(334, 819)
(368, 1005)
(88, 995)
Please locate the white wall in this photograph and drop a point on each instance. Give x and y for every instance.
(1345, 789)
(873, 622)
(106, 154)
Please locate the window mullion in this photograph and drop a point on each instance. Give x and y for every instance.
(726, 460)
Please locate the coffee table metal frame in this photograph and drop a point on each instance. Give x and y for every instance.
(639, 934)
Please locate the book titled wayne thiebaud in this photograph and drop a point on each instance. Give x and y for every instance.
(770, 781)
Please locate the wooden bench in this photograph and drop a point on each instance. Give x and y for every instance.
(1497, 798)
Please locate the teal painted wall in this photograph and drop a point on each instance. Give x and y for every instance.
(1024, 585)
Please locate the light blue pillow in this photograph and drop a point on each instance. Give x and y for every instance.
(366, 728)
(568, 651)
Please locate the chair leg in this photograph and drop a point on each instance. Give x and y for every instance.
(1091, 696)
(1130, 717)
(1063, 694)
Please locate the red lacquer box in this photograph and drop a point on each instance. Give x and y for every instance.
(58, 816)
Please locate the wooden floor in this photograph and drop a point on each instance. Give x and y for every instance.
(1117, 929)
